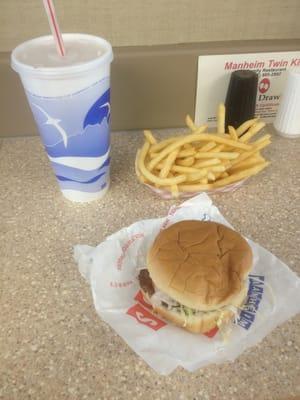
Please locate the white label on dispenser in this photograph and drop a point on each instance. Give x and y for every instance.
(214, 74)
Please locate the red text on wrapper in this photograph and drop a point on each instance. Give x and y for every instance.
(171, 212)
(119, 285)
(126, 246)
(140, 298)
(145, 317)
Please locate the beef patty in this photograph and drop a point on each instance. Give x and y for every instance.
(146, 282)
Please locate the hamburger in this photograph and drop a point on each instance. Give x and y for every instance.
(196, 275)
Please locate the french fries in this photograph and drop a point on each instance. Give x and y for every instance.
(252, 131)
(207, 163)
(168, 164)
(220, 155)
(149, 137)
(221, 118)
(245, 126)
(201, 161)
(232, 133)
(195, 137)
(186, 162)
(151, 177)
(186, 153)
(208, 146)
(224, 181)
(190, 123)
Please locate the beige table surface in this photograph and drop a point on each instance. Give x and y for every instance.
(52, 343)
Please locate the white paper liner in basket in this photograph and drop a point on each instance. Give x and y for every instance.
(112, 267)
(167, 195)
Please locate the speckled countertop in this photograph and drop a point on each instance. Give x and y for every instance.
(53, 344)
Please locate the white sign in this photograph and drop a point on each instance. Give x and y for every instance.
(214, 75)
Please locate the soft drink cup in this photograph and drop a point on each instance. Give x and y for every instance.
(287, 121)
(70, 100)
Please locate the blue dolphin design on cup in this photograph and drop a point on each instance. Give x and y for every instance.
(99, 110)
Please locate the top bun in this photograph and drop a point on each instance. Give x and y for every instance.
(201, 264)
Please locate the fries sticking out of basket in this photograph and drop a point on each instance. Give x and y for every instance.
(199, 161)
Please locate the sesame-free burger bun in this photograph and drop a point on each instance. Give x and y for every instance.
(201, 264)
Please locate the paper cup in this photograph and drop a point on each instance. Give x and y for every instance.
(70, 102)
(287, 122)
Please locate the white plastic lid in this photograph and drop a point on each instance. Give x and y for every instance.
(73, 64)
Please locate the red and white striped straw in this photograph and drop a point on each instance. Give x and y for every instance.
(50, 11)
